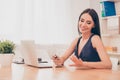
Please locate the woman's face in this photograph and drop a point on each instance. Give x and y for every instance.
(86, 23)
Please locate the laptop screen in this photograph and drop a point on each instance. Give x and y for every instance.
(30, 55)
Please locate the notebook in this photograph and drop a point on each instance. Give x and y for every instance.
(30, 55)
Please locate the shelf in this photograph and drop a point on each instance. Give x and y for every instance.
(105, 35)
(110, 35)
(114, 0)
(111, 0)
(110, 25)
(105, 18)
(115, 55)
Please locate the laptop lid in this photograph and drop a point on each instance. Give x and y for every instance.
(30, 55)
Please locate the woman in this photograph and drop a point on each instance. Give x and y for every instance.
(88, 49)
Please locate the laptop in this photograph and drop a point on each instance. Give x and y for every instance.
(29, 54)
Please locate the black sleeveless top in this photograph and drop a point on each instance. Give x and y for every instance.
(88, 53)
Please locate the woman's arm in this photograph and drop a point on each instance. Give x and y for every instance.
(105, 60)
(68, 52)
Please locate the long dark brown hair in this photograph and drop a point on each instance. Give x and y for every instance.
(94, 15)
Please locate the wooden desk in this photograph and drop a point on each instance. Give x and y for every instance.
(23, 72)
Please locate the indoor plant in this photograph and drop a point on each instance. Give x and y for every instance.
(6, 52)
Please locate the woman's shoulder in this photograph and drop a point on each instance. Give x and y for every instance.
(96, 40)
(76, 40)
(95, 37)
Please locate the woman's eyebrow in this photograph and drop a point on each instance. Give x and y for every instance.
(89, 21)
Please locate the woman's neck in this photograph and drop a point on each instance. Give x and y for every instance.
(86, 36)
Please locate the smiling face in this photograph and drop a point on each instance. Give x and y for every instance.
(86, 23)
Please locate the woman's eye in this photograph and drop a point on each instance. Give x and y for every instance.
(88, 22)
(81, 20)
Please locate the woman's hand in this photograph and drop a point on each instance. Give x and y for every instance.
(77, 62)
(58, 60)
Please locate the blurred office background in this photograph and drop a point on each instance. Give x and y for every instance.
(45, 21)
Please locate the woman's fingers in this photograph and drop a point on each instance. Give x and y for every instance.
(57, 60)
(73, 58)
(72, 64)
(77, 61)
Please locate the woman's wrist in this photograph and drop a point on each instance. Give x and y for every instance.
(62, 60)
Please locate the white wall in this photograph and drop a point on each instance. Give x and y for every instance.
(45, 21)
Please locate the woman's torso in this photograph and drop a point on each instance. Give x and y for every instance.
(88, 53)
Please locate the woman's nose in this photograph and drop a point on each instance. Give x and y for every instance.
(83, 24)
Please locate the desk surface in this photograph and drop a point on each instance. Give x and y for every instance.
(24, 72)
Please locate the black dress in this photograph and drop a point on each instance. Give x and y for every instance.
(88, 53)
